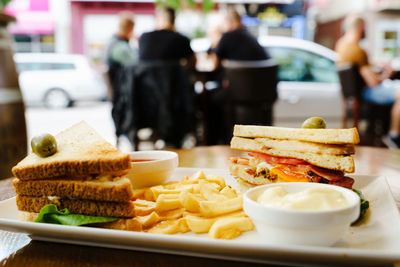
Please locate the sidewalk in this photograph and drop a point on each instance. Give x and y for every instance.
(96, 114)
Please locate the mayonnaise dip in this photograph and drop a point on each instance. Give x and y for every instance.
(316, 198)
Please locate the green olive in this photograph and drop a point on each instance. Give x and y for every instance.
(44, 145)
(314, 123)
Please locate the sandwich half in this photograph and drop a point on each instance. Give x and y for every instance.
(85, 176)
(280, 154)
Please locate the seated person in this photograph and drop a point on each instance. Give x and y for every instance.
(377, 91)
(165, 43)
(237, 43)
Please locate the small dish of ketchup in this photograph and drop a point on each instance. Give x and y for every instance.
(149, 168)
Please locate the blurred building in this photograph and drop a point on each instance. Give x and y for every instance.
(35, 27)
(85, 26)
(382, 24)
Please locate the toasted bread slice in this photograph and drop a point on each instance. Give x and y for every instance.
(324, 136)
(102, 188)
(81, 152)
(78, 206)
(329, 161)
(302, 146)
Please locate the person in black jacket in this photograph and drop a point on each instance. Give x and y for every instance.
(162, 92)
(237, 43)
(165, 44)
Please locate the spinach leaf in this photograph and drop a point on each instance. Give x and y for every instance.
(364, 206)
(51, 214)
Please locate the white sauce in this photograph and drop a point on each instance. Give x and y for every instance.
(316, 198)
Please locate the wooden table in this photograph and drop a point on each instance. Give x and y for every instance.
(20, 250)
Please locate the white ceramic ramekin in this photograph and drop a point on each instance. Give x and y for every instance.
(300, 227)
(155, 171)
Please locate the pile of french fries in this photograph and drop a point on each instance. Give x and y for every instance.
(200, 203)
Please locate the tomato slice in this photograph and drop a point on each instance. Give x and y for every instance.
(278, 160)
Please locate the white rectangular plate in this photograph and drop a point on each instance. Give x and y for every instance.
(375, 241)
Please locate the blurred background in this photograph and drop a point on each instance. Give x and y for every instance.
(60, 45)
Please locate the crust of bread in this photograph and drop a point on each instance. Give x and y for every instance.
(333, 162)
(81, 151)
(78, 206)
(302, 146)
(324, 136)
(27, 216)
(102, 188)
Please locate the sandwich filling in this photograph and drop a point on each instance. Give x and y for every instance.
(261, 168)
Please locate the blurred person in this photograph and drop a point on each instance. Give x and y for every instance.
(376, 91)
(165, 44)
(237, 43)
(119, 54)
(163, 87)
(214, 34)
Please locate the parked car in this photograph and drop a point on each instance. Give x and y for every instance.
(308, 81)
(58, 80)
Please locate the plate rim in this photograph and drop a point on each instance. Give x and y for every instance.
(136, 238)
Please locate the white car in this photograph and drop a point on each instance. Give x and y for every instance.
(58, 80)
(308, 81)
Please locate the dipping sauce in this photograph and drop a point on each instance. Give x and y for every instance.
(317, 198)
(141, 160)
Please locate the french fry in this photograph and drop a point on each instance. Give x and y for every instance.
(183, 226)
(158, 190)
(171, 185)
(170, 227)
(165, 227)
(228, 192)
(194, 178)
(199, 224)
(215, 208)
(149, 220)
(190, 202)
(168, 202)
(210, 191)
(216, 179)
(171, 214)
(196, 189)
(230, 227)
(148, 194)
(154, 191)
(143, 203)
(138, 193)
(123, 224)
(143, 211)
(201, 204)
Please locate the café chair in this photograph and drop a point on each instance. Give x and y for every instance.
(351, 84)
(377, 116)
(157, 95)
(251, 92)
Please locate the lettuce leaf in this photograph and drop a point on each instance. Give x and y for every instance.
(364, 206)
(51, 214)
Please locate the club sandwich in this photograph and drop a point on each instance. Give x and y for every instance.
(278, 154)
